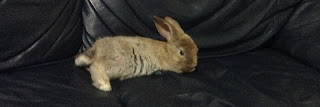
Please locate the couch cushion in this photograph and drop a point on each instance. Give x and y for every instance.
(37, 31)
(253, 79)
(273, 75)
(55, 84)
(257, 78)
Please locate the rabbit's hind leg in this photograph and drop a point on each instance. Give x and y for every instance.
(99, 77)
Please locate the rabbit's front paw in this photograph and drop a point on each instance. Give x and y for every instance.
(102, 85)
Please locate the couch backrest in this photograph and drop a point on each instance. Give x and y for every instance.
(38, 31)
(219, 27)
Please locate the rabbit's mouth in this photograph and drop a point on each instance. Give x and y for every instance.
(193, 69)
(187, 70)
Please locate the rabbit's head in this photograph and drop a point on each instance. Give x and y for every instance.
(181, 49)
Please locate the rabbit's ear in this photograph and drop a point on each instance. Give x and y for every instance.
(166, 29)
(174, 24)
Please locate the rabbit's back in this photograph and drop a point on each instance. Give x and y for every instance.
(126, 57)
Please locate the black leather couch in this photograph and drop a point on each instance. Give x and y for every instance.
(252, 52)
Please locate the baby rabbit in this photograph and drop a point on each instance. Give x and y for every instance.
(122, 57)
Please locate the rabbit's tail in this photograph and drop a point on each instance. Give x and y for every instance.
(85, 58)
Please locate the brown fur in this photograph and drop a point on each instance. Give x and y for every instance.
(124, 57)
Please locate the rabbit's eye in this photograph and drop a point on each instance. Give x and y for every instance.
(181, 52)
